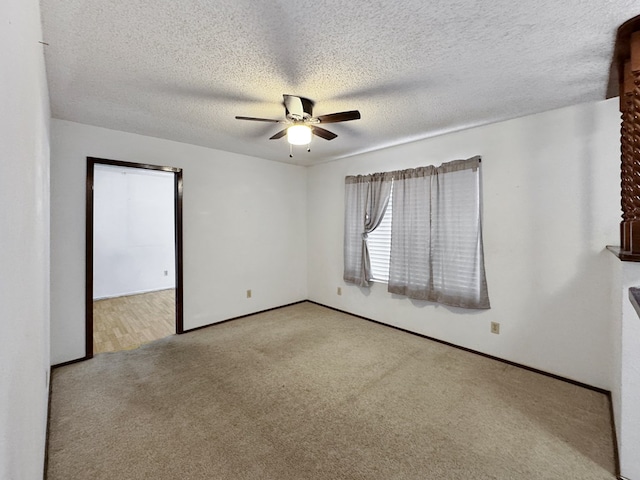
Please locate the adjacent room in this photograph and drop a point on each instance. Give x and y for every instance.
(133, 244)
(373, 237)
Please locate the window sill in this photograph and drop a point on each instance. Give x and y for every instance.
(623, 256)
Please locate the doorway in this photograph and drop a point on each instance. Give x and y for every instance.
(133, 254)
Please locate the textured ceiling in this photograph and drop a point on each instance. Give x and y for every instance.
(182, 70)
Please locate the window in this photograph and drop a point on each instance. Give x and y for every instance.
(366, 199)
(420, 231)
(379, 245)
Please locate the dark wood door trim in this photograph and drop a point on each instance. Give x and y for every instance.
(88, 292)
(178, 254)
(91, 162)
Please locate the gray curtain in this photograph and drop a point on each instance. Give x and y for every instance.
(366, 199)
(436, 235)
(410, 272)
(457, 254)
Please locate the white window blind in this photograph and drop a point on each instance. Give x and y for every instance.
(379, 245)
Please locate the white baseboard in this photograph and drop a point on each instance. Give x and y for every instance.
(126, 294)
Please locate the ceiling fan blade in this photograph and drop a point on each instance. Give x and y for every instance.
(340, 117)
(322, 133)
(259, 119)
(293, 105)
(278, 135)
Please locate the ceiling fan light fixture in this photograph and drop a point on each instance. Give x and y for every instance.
(299, 135)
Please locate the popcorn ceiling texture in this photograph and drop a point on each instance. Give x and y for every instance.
(414, 69)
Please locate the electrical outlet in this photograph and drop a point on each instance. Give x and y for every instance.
(339, 290)
(248, 293)
(495, 327)
(166, 273)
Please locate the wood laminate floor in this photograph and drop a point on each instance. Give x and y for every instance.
(124, 323)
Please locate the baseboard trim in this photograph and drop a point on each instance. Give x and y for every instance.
(614, 434)
(82, 359)
(486, 355)
(607, 393)
(131, 294)
(470, 350)
(48, 428)
(508, 362)
(243, 316)
(70, 362)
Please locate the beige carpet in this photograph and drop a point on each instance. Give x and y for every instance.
(304, 392)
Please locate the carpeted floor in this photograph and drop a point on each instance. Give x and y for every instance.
(304, 392)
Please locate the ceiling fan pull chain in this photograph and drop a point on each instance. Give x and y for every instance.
(290, 150)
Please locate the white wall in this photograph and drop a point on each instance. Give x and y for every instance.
(551, 204)
(625, 390)
(244, 228)
(133, 232)
(617, 301)
(24, 242)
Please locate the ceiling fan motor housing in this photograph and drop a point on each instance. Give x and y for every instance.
(298, 108)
